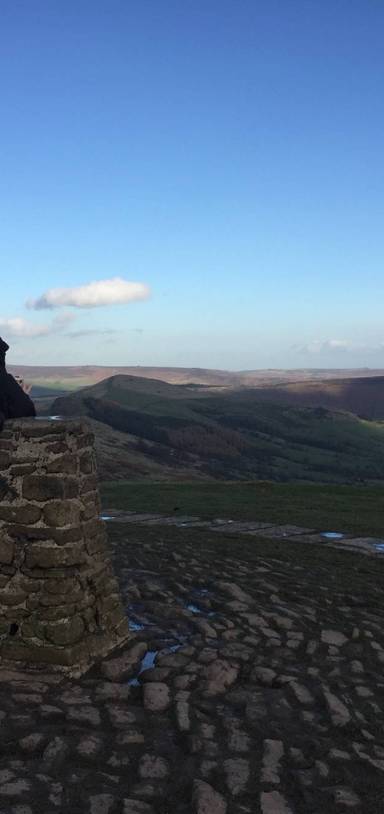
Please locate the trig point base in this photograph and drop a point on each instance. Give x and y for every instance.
(59, 599)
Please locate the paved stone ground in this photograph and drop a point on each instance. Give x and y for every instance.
(251, 686)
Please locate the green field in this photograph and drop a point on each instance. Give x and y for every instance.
(354, 509)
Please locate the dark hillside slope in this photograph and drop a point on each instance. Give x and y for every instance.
(233, 435)
(362, 396)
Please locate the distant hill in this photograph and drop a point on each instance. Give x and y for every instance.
(362, 396)
(230, 434)
(70, 378)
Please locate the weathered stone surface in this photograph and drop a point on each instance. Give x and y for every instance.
(26, 513)
(67, 631)
(153, 767)
(333, 637)
(156, 696)
(46, 555)
(49, 487)
(7, 551)
(101, 803)
(61, 513)
(122, 666)
(59, 601)
(206, 800)
(237, 773)
(131, 806)
(220, 675)
(272, 802)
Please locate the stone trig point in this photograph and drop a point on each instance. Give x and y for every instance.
(59, 599)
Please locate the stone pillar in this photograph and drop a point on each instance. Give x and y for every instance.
(59, 599)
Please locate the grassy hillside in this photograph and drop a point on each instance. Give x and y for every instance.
(354, 509)
(233, 435)
(362, 396)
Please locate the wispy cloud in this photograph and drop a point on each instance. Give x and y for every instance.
(18, 327)
(90, 332)
(101, 292)
(325, 346)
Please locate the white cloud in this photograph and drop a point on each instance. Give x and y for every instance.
(101, 292)
(24, 328)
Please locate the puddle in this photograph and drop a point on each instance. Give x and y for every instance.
(106, 517)
(332, 535)
(48, 418)
(193, 608)
(379, 547)
(149, 661)
(135, 625)
(146, 664)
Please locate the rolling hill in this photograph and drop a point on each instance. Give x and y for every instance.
(73, 377)
(230, 434)
(362, 396)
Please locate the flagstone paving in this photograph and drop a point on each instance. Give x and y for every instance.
(249, 687)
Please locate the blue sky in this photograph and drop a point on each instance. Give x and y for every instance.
(225, 155)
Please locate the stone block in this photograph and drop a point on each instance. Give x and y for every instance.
(44, 555)
(7, 552)
(67, 631)
(67, 463)
(61, 513)
(49, 487)
(5, 459)
(25, 514)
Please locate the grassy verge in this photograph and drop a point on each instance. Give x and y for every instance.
(354, 509)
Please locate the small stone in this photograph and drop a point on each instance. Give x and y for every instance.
(31, 743)
(272, 802)
(264, 675)
(6, 775)
(137, 807)
(152, 767)
(344, 796)
(89, 746)
(302, 694)
(123, 666)
(237, 774)
(333, 637)
(55, 752)
(132, 736)
(109, 691)
(273, 752)
(84, 715)
(339, 712)
(101, 803)
(182, 716)
(156, 697)
(206, 800)
(219, 676)
(15, 788)
(120, 716)
(239, 741)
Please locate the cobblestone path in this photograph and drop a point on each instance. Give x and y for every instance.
(253, 684)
